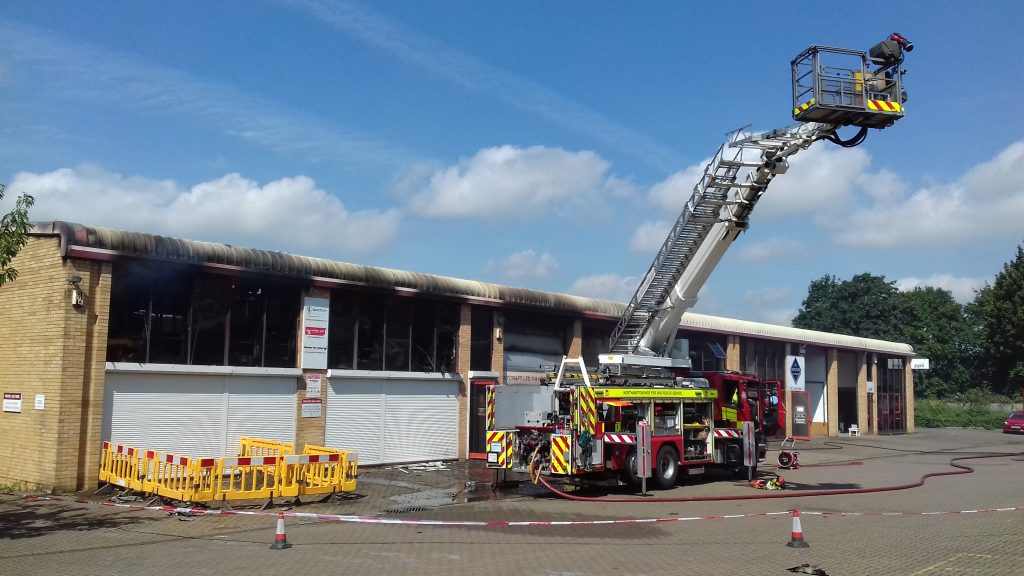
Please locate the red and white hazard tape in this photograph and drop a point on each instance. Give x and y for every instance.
(727, 433)
(618, 438)
(379, 520)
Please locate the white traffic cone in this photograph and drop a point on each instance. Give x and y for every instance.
(280, 540)
(796, 540)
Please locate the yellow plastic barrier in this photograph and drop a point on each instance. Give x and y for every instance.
(256, 447)
(321, 470)
(119, 465)
(171, 476)
(246, 478)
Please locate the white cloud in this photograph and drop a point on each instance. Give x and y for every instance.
(986, 203)
(525, 265)
(822, 178)
(649, 236)
(509, 181)
(962, 287)
(287, 214)
(672, 193)
(605, 287)
(770, 249)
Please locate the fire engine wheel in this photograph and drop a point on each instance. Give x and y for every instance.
(667, 469)
(630, 475)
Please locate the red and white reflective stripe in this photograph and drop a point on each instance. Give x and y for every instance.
(262, 461)
(380, 520)
(172, 459)
(727, 433)
(119, 448)
(619, 438)
(312, 458)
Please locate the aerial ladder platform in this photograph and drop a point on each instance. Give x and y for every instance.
(832, 88)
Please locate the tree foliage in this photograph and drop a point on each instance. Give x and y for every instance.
(935, 325)
(866, 305)
(978, 345)
(14, 228)
(1001, 307)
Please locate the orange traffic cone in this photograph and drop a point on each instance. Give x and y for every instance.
(796, 540)
(280, 541)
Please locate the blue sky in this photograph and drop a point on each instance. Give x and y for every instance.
(538, 144)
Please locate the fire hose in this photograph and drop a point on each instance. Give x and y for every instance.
(961, 469)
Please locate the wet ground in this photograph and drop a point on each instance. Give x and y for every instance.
(963, 524)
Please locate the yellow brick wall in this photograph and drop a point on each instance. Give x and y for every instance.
(32, 323)
(462, 363)
(863, 423)
(310, 430)
(832, 390)
(908, 395)
(50, 348)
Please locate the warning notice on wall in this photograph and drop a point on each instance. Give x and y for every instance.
(12, 401)
(316, 314)
(313, 385)
(312, 407)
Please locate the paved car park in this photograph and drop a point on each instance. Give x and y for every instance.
(967, 523)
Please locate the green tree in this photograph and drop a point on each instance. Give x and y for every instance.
(1003, 327)
(936, 327)
(977, 315)
(866, 305)
(13, 234)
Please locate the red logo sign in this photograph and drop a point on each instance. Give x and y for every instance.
(316, 331)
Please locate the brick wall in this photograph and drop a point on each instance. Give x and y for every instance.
(312, 430)
(462, 363)
(51, 349)
(832, 390)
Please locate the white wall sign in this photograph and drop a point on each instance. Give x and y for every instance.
(12, 401)
(919, 364)
(313, 387)
(316, 314)
(871, 387)
(40, 401)
(795, 373)
(525, 378)
(312, 407)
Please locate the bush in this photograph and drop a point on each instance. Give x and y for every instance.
(939, 414)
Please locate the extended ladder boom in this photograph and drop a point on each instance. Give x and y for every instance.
(712, 219)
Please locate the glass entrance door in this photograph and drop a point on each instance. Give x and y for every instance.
(478, 417)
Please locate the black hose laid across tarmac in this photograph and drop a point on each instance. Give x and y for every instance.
(961, 469)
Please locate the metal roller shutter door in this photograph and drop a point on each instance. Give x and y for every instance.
(263, 407)
(355, 417)
(421, 420)
(196, 415)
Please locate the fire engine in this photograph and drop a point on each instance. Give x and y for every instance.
(585, 424)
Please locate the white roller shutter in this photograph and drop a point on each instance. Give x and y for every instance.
(421, 420)
(355, 417)
(180, 414)
(263, 407)
(193, 414)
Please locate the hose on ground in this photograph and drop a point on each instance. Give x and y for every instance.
(961, 469)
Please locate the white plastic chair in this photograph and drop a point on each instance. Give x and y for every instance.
(854, 430)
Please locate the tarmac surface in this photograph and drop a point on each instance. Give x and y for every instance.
(963, 524)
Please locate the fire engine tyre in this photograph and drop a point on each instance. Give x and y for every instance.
(630, 475)
(666, 470)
